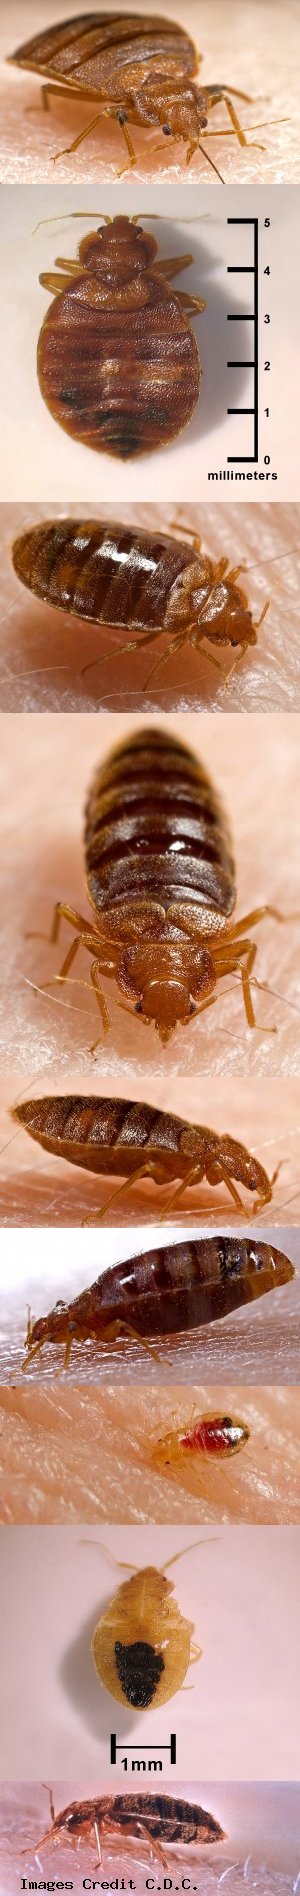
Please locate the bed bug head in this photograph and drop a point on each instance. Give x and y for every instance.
(167, 983)
(118, 251)
(222, 612)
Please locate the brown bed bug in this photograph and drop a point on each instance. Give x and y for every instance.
(142, 1647)
(216, 1436)
(160, 877)
(147, 581)
(117, 361)
(163, 1292)
(139, 70)
(156, 1819)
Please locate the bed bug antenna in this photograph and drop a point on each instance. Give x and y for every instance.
(61, 218)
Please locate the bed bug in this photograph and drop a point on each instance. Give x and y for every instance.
(139, 70)
(159, 1820)
(142, 1647)
(147, 581)
(166, 1291)
(160, 878)
(217, 1436)
(117, 361)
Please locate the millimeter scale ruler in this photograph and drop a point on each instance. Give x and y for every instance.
(247, 316)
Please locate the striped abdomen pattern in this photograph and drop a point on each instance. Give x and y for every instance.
(101, 571)
(119, 369)
(155, 830)
(108, 52)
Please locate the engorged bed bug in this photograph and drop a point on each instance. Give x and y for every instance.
(139, 70)
(217, 1436)
(161, 883)
(147, 581)
(164, 1292)
(142, 1647)
(156, 1819)
(117, 361)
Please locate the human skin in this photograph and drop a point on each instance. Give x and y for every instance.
(44, 652)
(46, 1037)
(261, 1822)
(85, 1455)
(237, 50)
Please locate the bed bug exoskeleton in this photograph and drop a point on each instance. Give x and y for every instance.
(157, 1819)
(118, 363)
(137, 69)
(164, 1292)
(149, 582)
(160, 876)
(216, 1436)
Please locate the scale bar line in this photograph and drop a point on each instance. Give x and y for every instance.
(240, 269)
(241, 411)
(240, 365)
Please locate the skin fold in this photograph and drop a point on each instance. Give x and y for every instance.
(76, 1455)
(44, 651)
(256, 61)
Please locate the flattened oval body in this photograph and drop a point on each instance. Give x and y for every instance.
(119, 370)
(141, 1645)
(102, 571)
(156, 832)
(107, 53)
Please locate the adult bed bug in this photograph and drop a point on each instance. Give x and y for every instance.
(160, 878)
(142, 1646)
(157, 1819)
(117, 360)
(164, 1292)
(139, 69)
(147, 581)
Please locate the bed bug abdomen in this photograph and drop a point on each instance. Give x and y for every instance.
(101, 51)
(155, 830)
(102, 571)
(139, 1668)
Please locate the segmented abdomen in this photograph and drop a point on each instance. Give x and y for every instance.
(121, 376)
(155, 830)
(99, 51)
(100, 570)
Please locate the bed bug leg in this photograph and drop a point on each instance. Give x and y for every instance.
(193, 1177)
(98, 1865)
(178, 528)
(172, 266)
(100, 997)
(176, 646)
(142, 1171)
(121, 116)
(194, 305)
